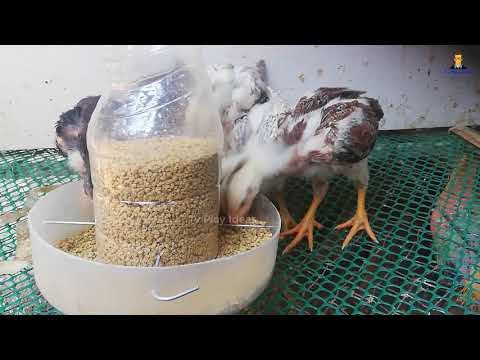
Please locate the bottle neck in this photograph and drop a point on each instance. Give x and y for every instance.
(128, 64)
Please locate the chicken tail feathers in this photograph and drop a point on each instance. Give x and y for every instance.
(376, 108)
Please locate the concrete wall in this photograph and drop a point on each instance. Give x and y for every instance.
(37, 83)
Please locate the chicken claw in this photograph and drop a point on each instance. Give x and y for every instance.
(305, 228)
(288, 222)
(359, 221)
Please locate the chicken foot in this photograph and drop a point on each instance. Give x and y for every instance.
(360, 219)
(305, 227)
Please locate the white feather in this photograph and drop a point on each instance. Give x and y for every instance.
(222, 78)
(244, 97)
(75, 161)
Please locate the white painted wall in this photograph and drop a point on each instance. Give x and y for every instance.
(37, 83)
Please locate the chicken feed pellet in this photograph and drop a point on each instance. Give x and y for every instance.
(81, 245)
(180, 176)
(232, 241)
(235, 240)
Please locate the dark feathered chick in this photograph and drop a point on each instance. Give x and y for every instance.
(71, 138)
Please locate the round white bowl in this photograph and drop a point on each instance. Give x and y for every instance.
(77, 286)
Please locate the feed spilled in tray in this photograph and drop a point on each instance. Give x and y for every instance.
(232, 241)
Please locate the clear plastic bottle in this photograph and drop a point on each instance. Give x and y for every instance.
(154, 144)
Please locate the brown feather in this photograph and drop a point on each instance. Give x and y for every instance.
(295, 135)
(335, 113)
(321, 97)
(357, 138)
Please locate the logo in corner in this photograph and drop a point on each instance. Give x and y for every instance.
(458, 67)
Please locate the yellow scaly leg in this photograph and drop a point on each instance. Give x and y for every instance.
(305, 228)
(360, 219)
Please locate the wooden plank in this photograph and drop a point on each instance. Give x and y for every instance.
(470, 135)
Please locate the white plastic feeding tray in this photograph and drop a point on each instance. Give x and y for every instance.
(77, 286)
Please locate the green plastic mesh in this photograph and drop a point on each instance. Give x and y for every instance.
(410, 271)
(21, 171)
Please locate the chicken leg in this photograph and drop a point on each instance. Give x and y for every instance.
(287, 220)
(360, 219)
(305, 228)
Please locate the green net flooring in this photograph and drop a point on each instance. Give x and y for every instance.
(410, 271)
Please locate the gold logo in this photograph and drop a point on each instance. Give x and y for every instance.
(458, 62)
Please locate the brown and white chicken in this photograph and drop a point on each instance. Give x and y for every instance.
(330, 132)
